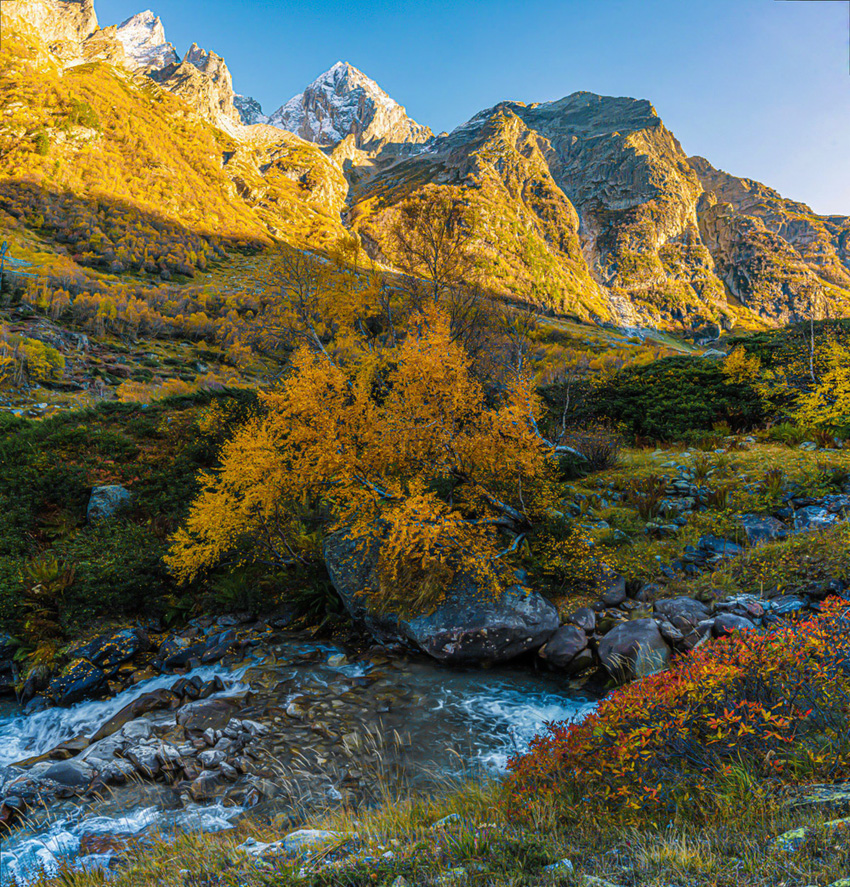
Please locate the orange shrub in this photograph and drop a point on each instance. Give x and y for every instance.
(776, 704)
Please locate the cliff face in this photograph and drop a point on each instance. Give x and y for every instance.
(62, 25)
(145, 46)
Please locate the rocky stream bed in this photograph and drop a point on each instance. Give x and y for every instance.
(294, 727)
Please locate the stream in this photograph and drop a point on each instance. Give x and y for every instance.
(339, 731)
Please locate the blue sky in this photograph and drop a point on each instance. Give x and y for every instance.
(759, 87)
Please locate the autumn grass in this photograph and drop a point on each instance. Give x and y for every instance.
(495, 853)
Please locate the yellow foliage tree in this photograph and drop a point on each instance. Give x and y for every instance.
(403, 443)
(827, 404)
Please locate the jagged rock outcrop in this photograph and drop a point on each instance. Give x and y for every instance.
(776, 256)
(63, 25)
(143, 39)
(250, 110)
(203, 81)
(344, 101)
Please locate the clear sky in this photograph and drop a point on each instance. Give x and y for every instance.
(759, 87)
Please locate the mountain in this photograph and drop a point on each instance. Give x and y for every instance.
(591, 206)
(344, 101)
(145, 46)
(587, 205)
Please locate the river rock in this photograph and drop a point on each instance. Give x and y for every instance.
(470, 626)
(110, 650)
(728, 623)
(634, 649)
(75, 774)
(206, 786)
(81, 680)
(207, 714)
(106, 502)
(156, 699)
(682, 612)
(561, 650)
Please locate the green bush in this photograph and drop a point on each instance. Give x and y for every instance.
(670, 398)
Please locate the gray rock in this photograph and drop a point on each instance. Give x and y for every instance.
(633, 650)
(306, 838)
(212, 758)
(75, 774)
(584, 618)
(788, 604)
(683, 613)
(813, 517)
(468, 627)
(563, 647)
(613, 589)
(722, 547)
(205, 786)
(106, 502)
(727, 623)
(760, 529)
(206, 714)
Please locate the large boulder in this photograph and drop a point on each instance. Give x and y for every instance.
(634, 649)
(106, 502)
(109, 650)
(470, 626)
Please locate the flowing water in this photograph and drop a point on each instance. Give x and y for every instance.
(404, 722)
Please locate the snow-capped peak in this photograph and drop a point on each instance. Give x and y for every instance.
(344, 101)
(143, 38)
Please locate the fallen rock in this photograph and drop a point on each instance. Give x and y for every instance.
(106, 502)
(633, 650)
(205, 787)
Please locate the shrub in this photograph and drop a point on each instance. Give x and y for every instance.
(673, 396)
(600, 445)
(776, 705)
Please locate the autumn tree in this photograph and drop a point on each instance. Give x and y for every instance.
(432, 240)
(404, 443)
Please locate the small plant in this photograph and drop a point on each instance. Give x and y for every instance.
(824, 438)
(45, 582)
(719, 498)
(703, 467)
(646, 495)
(786, 433)
(833, 477)
(772, 484)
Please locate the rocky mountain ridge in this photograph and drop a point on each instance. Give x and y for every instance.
(589, 205)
